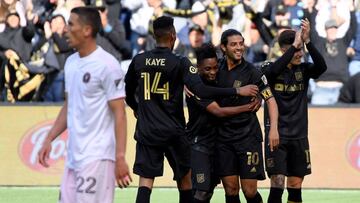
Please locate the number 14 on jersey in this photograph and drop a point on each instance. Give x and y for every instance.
(153, 86)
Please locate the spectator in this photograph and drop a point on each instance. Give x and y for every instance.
(196, 39)
(354, 50)
(52, 51)
(112, 37)
(334, 51)
(350, 92)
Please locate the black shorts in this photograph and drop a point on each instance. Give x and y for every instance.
(244, 159)
(149, 160)
(292, 158)
(202, 170)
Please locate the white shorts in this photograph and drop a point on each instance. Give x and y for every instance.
(95, 183)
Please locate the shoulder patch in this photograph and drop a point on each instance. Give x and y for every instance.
(263, 78)
(193, 70)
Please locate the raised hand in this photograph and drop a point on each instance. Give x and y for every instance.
(298, 41)
(305, 27)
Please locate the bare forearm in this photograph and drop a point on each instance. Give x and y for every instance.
(120, 129)
(273, 113)
(60, 124)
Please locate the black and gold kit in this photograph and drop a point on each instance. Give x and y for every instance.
(290, 87)
(154, 90)
(239, 140)
(201, 129)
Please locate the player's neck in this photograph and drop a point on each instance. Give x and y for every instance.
(87, 48)
(164, 45)
(232, 64)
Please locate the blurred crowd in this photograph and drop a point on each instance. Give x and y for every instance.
(33, 47)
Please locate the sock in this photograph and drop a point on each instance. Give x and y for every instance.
(275, 195)
(186, 196)
(143, 195)
(294, 195)
(232, 199)
(256, 199)
(201, 201)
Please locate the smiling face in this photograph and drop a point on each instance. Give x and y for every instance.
(208, 68)
(235, 48)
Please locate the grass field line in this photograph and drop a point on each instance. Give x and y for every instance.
(173, 189)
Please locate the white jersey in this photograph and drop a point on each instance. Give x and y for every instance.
(90, 83)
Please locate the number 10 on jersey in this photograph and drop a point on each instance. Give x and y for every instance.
(153, 86)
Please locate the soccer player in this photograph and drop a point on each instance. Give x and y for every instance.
(154, 89)
(94, 114)
(201, 127)
(289, 81)
(239, 144)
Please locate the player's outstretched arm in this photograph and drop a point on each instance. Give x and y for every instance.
(218, 111)
(274, 115)
(122, 175)
(58, 127)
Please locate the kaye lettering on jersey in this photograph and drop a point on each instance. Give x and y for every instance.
(154, 62)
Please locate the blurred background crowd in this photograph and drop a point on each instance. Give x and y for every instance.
(33, 47)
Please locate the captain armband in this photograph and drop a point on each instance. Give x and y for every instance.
(266, 93)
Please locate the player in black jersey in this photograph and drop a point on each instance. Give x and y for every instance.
(154, 90)
(239, 144)
(201, 127)
(289, 81)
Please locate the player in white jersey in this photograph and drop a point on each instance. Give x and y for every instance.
(94, 114)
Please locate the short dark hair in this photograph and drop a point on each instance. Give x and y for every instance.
(162, 26)
(206, 51)
(287, 37)
(228, 33)
(89, 16)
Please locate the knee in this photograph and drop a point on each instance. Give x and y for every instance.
(231, 189)
(294, 182)
(202, 195)
(249, 191)
(185, 182)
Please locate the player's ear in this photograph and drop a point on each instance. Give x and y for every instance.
(222, 47)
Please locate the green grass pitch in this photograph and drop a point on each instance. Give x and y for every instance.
(168, 195)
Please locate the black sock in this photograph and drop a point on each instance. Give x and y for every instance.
(275, 195)
(143, 195)
(294, 195)
(201, 201)
(232, 199)
(256, 199)
(186, 196)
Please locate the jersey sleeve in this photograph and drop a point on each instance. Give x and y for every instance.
(262, 82)
(113, 82)
(193, 82)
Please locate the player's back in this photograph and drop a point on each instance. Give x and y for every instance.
(159, 74)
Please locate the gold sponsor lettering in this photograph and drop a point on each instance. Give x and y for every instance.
(288, 88)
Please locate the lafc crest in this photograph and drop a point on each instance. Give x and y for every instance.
(200, 178)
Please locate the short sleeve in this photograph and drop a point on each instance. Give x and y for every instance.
(113, 83)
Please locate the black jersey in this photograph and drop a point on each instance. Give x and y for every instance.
(154, 90)
(201, 126)
(290, 87)
(245, 124)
